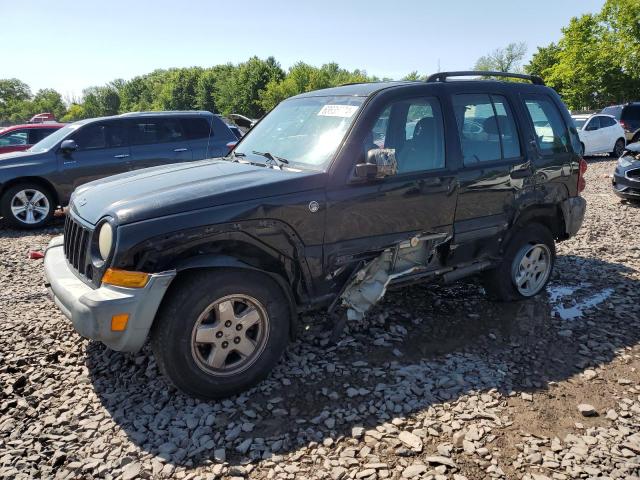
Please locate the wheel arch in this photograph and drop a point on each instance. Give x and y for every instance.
(188, 265)
(37, 180)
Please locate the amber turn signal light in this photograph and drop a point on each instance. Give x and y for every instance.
(119, 322)
(125, 278)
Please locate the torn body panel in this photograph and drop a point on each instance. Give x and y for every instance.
(369, 283)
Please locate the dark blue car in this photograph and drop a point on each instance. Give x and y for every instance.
(34, 182)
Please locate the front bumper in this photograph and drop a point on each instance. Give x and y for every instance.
(573, 210)
(90, 310)
(623, 185)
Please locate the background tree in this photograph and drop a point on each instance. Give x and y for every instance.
(507, 59)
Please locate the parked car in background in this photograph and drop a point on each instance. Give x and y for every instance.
(33, 183)
(22, 137)
(600, 133)
(214, 261)
(626, 177)
(629, 117)
(43, 117)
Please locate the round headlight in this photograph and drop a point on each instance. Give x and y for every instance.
(105, 240)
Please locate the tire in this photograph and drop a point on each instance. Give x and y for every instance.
(500, 283)
(189, 338)
(618, 148)
(27, 206)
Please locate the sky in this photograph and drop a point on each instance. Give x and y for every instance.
(70, 45)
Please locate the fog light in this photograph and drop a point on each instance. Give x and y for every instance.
(119, 322)
(125, 278)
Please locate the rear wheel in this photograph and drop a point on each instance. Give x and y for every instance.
(221, 332)
(27, 206)
(526, 267)
(618, 148)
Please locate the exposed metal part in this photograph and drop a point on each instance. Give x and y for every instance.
(369, 284)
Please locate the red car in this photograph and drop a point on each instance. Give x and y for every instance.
(22, 137)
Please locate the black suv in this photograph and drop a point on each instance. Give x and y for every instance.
(331, 198)
(629, 117)
(34, 182)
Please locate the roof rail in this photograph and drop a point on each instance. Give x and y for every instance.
(442, 76)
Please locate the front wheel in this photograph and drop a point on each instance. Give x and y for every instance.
(27, 206)
(526, 267)
(221, 332)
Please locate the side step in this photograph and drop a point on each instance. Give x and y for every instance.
(462, 272)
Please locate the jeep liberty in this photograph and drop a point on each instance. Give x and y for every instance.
(329, 200)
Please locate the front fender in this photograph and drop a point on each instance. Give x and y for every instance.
(227, 261)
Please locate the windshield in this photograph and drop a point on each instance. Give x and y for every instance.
(305, 131)
(579, 122)
(52, 140)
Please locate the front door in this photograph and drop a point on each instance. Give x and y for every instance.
(365, 217)
(103, 150)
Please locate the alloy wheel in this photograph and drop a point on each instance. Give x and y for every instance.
(229, 335)
(531, 269)
(30, 206)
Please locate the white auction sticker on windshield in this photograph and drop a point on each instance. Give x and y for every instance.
(344, 111)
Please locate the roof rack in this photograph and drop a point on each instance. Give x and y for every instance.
(442, 76)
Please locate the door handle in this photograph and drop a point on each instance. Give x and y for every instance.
(180, 149)
(122, 155)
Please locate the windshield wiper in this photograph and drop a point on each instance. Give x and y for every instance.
(235, 155)
(274, 160)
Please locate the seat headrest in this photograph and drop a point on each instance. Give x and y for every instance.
(426, 126)
(490, 125)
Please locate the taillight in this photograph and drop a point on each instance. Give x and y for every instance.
(623, 124)
(582, 169)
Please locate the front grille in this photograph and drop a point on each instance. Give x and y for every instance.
(634, 174)
(76, 243)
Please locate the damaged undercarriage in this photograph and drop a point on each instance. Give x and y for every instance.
(369, 283)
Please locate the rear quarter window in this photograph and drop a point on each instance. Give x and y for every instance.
(196, 128)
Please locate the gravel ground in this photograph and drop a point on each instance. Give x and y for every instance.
(438, 383)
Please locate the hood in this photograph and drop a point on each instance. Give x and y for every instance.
(176, 188)
(633, 147)
(21, 159)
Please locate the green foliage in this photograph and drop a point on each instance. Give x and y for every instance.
(75, 112)
(18, 105)
(507, 59)
(597, 60)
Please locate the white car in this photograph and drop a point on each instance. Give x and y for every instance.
(600, 134)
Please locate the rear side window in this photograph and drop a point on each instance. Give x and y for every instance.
(486, 128)
(552, 135)
(196, 128)
(632, 112)
(607, 122)
(170, 130)
(614, 111)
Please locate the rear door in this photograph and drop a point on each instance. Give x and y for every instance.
(103, 150)
(496, 169)
(157, 141)
(610, 133)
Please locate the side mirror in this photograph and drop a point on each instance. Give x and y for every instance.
(381, 163)
(68, 146)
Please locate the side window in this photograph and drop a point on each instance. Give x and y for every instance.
(594, 124)
(91, 137)
(632, 112)
(196, 128)
(143, 131)
(551, 132)
(607, 122)
(15, 137)
(169, 130)
(414, 129)
(486, 128)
